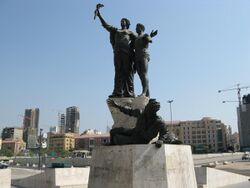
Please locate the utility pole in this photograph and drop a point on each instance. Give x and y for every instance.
(170, 102)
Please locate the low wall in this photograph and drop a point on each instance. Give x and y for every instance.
(5, 178)
(55, 178)
(76, 162)
(71, 177)
(215, 155)
(83, 162)
(211, 178)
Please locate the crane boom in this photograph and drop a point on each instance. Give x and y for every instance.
(238, 88)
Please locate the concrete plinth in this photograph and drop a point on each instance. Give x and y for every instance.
(142, 166)
(123, 120)
(5, 178)
(71, 177)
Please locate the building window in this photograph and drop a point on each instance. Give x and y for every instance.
(91, 142)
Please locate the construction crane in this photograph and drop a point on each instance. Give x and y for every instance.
(238, 89)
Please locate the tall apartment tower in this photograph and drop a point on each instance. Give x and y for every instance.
(62, 123)
(244, 123)
(30, 127)
(72, 120)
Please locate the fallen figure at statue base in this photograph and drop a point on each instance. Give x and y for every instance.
(148, 126)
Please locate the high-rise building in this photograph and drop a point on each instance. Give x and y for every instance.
(244, 123)
(54, 129)
(30, 127)
(72, 120)
(62, 123)
(205, 135)
(12, 133)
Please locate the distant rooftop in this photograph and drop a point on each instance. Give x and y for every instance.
(94, 135)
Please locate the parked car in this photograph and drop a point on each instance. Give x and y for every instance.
(246, 156)
(3, 165)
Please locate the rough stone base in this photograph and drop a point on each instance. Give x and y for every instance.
(142, 166)
(122, 120)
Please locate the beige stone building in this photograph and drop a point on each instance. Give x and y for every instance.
(89, 141)
(12, 133)
(235, 141)
(0, 143)
(61, 142)
(15, 146)
(205, 135)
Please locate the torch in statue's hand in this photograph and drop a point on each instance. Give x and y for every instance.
(98, 6)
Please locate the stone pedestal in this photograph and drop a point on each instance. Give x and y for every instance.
(123, 120)
(142, 166)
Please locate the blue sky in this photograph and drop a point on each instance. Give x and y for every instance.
(53, 55)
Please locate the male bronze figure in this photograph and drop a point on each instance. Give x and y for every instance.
(120, 40)
(148, 125)
(142, 56)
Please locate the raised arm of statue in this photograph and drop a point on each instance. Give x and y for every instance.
(153, 33)
(148, 37)
(108, 27)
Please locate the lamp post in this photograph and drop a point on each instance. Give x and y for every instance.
(40, 145)
(170, 102)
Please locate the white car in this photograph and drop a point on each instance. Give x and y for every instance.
(246, 156)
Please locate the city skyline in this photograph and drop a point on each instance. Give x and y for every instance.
(54, 55)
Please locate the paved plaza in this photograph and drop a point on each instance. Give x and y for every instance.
(239, 167)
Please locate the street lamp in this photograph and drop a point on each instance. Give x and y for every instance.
(40, 145)
(170, 102)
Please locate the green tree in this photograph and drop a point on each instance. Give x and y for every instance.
(6, 152)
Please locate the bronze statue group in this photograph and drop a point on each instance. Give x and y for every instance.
(131, 56)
